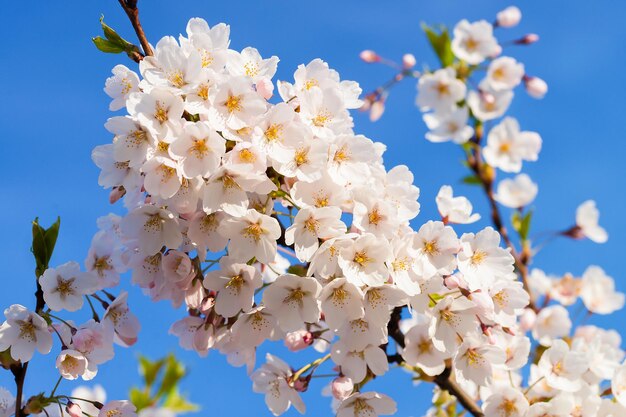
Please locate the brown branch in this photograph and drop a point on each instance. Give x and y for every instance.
(130, 7)
(19, 372)
(443, 380)
(485, 176)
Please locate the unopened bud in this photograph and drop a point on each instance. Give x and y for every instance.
(301, 384)
(116, 193)
(265, 88)
(509, 17)
(73, 409)
(376, 110)
(408, 61)
(535, 87)
(497, 50)
(527, 320)
(298, 340)
(342, 387)
(527, 40)
(369, 56)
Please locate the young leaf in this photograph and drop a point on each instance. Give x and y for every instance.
(107, 46)
(149, 369)
(471, 180)
(441, 44)
(178, 404)
(43, 244)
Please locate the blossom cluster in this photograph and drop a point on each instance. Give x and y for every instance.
(269, 218)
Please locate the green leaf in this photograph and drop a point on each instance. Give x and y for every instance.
(149, 369)
(299, 270)
(441, 44)
(140, 399)
(114, 43)
(107, 46)
(471, 180)
(43, 244)
(174, 372)
(178, 404)
(522, 224)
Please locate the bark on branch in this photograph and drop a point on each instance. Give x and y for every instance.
(130, 7)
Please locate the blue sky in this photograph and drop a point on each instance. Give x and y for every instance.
(53, 110)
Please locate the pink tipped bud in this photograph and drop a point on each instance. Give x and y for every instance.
(408, 61)
(74, 410)
(497, 50)
(369, 56)
(116, 193)
(527, 320)
(484, 303)
(301, 384)
(342, 387)
(265, 88)
(527, 40)
(509, 17)
(298, 340)
(535, 86)
(376, 110)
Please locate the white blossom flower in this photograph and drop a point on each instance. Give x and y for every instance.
(552, 322)
(153, 227)
(506, 402)
(504, 73)
(249, 63)
(507, 146)
(598, 292)
(487, 105)
(563, 368)
(72, 364)
(274, 379)
(474, 42)
(236, 105)
(587, 216)
(123, 321)
(310, 225)
(475, 359)
(7, 403)
(363, 262)
(516, 192)
(355, 363)
(293, 300)
(440, 91)
(445, 126)
(199, 150)
(482, 260)
(235, 284)
(341, 301)
(451, 317)
(435, 246)
(253, 235)
(65, 286)
(120, 85)
(118, 408)
(366, 404)
(24, 331)
(158, 111)
(419, 350)
(455, 209)
(94, 393)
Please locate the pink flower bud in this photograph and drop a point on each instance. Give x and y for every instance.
(116, 193)
(455, 281)
(484, 303)
(408, 61)
(535, 86)
(528, 39)
(377, 109)
(342, 387)
(74, 410)
(265, 88)
(508, 17)
(298, 340)
(369, 56)
(301, 384)
(527, 319)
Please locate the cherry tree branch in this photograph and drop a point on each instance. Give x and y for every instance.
(130, 7)
(442, 380)
(484, 174)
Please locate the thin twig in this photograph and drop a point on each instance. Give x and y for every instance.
(130, 7)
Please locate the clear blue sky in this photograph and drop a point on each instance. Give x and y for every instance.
(52, 110)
